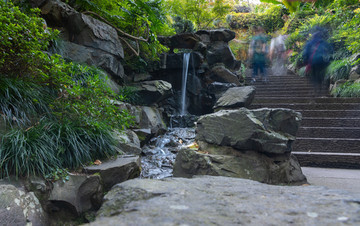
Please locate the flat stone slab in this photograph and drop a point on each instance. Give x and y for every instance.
(210, 200)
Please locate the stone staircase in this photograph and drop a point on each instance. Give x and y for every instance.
(329, 135)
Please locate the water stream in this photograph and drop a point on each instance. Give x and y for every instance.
(185, 71)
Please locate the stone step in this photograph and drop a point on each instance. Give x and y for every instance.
(265, 99)
(329, 160)
(329, 132)
(340, 145)
(330, 113)
(310, 106)
(330, 122)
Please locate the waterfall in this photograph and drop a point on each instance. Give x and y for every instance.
(185, 70)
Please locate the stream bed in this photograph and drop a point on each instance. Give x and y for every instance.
(160, 153)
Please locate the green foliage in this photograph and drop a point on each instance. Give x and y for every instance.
(22, 39)
(338, 69)
(271, 20)
(292, 6)
(182, 25)
(201, 12)
(128, 94)
(143, 19)
(56, 114)
(49, 146)
(347, 90)
(21, 102)
(86, 97)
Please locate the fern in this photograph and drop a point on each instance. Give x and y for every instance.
(338, 69)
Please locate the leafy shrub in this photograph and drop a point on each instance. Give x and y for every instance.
(21, 102)
(271, 20)
(182, 25)
(347, 90)
(338, 69)
(22, 39)
(49, 146)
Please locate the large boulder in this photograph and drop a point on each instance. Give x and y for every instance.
(180, 41)
(270, 131)
(93, 56)
(19, 208)
(210, 200)
(93, 33)
(236, 97)
(72, 197)
(221, 74)
(115, 171)
(176, 60)
(128, 142)
(151, 92)
(208, 36)
(354, 73)
(226, 161)
(56, 12)
(217, 89)
(220, 52)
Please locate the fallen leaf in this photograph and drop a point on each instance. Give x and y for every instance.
(97, 162)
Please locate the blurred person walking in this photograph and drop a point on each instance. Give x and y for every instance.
(257, 54)
(316, 55)
(278, 55)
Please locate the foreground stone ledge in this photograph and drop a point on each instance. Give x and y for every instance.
(226, 201)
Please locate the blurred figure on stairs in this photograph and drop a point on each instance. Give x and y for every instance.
(257, 54)
(278, 55)
(316, 55)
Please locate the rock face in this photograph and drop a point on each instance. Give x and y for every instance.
(18, 208)
(116, 171)
(87, 40)
(210, 200)
(270, 131)
(151, 92)
(80, 193)
(221, 74)
(251, 144)
(236, 97)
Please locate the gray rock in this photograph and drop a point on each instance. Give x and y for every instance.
(209, 200)
(78, 194)
(224, 75)
(56, 13)
(226, 161)
(93, 33)
(180, 41)
(236, 97)
(354, 73)
(224, 35)
(116, 171)
(218, 88)
(144, 135)
(255, 130)
(151, 118)
(18, 208)
(128, 142)
(219, 52)
(151, 92)
(175, 60)
(142, 77)
(92, 56)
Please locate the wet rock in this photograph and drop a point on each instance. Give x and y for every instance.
(115, 171)
(128, 142)
(70, 198)
(151, 92)
(208, 36)
(236, 97)
(255, 130)
(144, 135)
(221, 74)
(208, 200)
(171, 61)
(18, 208)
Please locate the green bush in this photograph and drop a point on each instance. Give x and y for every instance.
(22, 39)
(338, 69)
(271, 20)
(347, 90)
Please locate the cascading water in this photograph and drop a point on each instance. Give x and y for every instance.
(185, 71)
